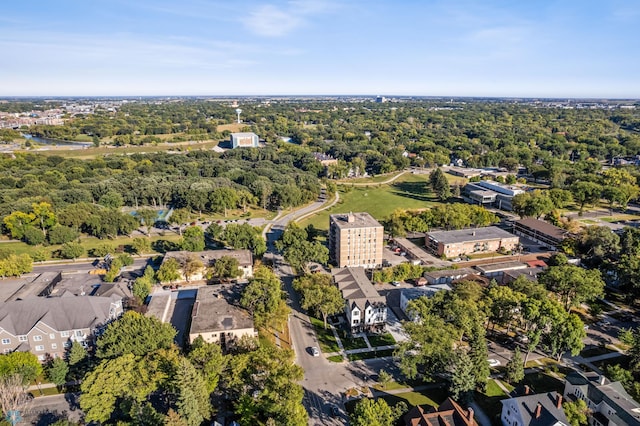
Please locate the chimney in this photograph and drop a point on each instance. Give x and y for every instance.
(559, 402)
(538, 410)
(526, 389)
(470, 414)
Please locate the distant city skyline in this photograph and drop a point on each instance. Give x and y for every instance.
(489, 48)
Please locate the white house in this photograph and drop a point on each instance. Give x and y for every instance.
(540, 409)
(364, 307)
(609, 403)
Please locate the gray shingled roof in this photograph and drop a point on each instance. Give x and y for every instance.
(18, 317)
(356, 287)
(627, 410)
(550, 413)
(208, 257)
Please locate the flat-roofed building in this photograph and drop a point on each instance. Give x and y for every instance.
(409, 294)
(244, 140)
(447, 276)
(541, 232)
(490, 193)
(355, 239)
(217, 321)
(496, 270)
(364, 307)
(209, 258)
(468, 241)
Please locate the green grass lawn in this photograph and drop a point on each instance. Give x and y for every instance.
(371, 180)
(594, 351)
(353, 343)
(381, 339)
(408, 192)
(370, 354)
(541, 382)
(335, 358)
(432, 397)
(326, 340)
(490, 399)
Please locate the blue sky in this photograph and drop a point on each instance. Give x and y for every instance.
(535, 48)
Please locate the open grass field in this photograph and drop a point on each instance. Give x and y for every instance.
(432, 397)
(408, 192)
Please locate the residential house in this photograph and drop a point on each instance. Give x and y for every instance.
(217, 321)
(364, 307)
(609, 403)
(47, 326)
(540, 409)
(208, 258)
(449, 413)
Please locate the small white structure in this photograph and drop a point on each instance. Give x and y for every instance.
(244, 140)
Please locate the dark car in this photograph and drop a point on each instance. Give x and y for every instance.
(335, 411)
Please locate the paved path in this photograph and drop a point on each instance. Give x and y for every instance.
(391, 179)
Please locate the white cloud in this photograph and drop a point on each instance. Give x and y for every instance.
(275, 21)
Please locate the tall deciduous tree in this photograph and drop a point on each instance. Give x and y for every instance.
(263, 296)
(319, 295)
(169, 271)
(193, 239)
(135, 334)
(573, 284)
(369, 412)
(226, 268)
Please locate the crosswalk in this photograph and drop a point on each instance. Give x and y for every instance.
(319, 411)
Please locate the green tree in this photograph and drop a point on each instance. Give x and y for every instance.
(190, 266)
(76, 354)
(263, 296)
(463, 380)
(15, 265)
(44, 217)
(57, 371)
(369, 412)
(585, 192)
(225, 268)
(123, 378)
(193, 239)
(24, 364)
(147, 218)
(209, 360)
(298, 250)
(319, 295)
(33, 236)
(573, 284)
(71, 250)
(142, 285)
(169, 271)
(193, 398)
(180, 217)
(515, 368)
(140, 245)
(112, 200)
(60, 234)
(577, 412)
(135, 334)
(440, 184)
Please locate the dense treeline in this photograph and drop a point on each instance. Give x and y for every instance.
(84, 196)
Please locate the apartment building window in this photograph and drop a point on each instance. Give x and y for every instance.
(22, 338)
(6, 341)
(40, 348)
(67, 344)
(78, 333)
(64, 334)
(52, 336)
(7, 351)
(54, 346)
(41, 357)
(37, 338)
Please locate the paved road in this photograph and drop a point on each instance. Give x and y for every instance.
(45, 410)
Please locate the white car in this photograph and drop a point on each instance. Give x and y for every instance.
(315, 351)
(494, 362)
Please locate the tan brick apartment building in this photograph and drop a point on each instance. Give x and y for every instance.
(355, 239)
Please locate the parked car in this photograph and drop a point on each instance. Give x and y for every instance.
(395, 283)
(315, 351)
(335, 411)
(493, 362)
